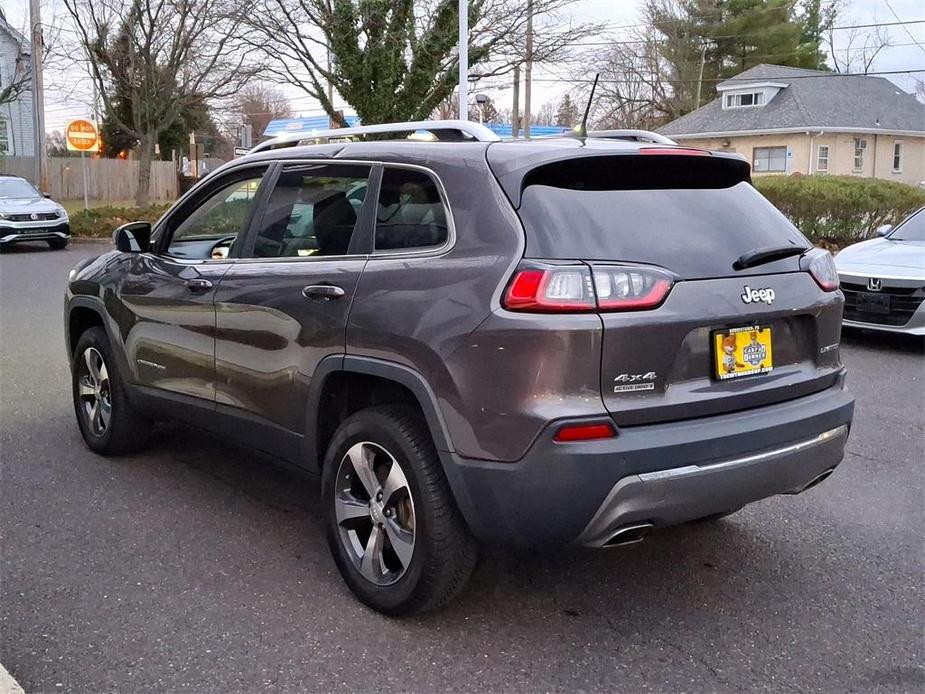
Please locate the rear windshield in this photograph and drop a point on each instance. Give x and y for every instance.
(697, 228)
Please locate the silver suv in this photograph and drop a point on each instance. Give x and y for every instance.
(473, 341)
(28, 215)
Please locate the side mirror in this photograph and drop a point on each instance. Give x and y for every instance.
(134, 237)
(46, 195)
(884, 229)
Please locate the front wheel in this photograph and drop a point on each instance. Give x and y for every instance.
(57, 244)
(108, 422)
(396, 534)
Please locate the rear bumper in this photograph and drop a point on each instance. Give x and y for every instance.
(661, 474)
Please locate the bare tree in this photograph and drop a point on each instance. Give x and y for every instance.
(546, 115)
(160, 58)
(860, 48)
(259, 103)
(396, 60)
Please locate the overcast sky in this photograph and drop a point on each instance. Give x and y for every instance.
(69, 95)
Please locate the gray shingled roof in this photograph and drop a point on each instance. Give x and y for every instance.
(812, 99)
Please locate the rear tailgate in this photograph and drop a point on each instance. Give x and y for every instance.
(694, 216)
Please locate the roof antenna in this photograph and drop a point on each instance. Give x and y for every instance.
(582, 129)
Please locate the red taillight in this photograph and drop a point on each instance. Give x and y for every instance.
(556, 289)
(676, 151)
(629, 288)
(584, 432)
(822, 268)
(578, 288)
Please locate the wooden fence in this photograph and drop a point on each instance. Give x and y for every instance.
(111, 180)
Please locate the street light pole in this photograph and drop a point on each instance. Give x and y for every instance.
(463, 59)
(528, 72)
(38, 97)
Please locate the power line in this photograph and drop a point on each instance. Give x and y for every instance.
(903, 24)
(753, 34)
(740, 79)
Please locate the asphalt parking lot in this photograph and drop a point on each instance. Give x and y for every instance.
(196, 566)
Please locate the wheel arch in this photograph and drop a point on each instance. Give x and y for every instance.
(83, 312)
(379, 379)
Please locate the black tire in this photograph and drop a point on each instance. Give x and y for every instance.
(444, 551)
(58, 244)
(125, 430)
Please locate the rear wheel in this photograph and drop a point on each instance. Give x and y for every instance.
(107, 421)
(393, 527)
(58, 244)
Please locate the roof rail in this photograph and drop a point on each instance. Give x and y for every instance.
(634, 135)
(447, 130)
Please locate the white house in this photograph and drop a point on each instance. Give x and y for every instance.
(16, 125)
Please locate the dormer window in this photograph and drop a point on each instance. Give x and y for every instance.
(743, 99)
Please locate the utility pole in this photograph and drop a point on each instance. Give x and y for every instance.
(463, 59)
(38, 97)
(528, 70)
(703, 59)
(515, 111)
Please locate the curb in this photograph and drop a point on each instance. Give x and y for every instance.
(7, 684)
(88, 239)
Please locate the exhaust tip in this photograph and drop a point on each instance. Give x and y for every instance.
(629, 534)
(818, 479)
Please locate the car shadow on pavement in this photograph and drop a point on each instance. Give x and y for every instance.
(27, 247)
(672, 567)
(883, 341)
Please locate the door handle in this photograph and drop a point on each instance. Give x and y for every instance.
(199, 285)
(322, 292)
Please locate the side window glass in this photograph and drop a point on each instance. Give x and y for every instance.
(410, 213)
(216, 223)
(313, 210)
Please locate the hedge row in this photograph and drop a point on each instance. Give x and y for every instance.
(839, 210)
(100, 221)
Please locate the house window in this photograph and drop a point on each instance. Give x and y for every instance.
(769, 159)
(822, 158)
(897, 156)
(860, 144)
(743, 99)
(4, 137)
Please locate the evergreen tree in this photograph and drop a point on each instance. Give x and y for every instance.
(567, 115)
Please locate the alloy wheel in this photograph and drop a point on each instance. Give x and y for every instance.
(375, 513)
(93, 389)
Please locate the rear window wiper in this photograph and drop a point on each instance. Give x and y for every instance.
(760, 256)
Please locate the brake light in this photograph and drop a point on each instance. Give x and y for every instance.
(555, 290)
(584, 432)
(578, 288)
(822, 267)
(676, 151)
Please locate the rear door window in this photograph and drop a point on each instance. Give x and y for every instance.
(410, 214)
(690, 215)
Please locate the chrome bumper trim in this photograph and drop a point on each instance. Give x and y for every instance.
(677, 495)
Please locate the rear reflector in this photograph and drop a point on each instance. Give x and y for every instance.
(552, 288)
(584, 432)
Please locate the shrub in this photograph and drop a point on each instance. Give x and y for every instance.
(101, 221)
(839, 210)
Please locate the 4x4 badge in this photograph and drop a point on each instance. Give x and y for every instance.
(753, 296)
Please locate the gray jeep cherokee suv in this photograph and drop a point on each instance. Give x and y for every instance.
(554, 341)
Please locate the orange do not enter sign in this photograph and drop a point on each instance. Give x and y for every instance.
(82, 136)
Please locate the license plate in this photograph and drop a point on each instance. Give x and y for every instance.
(873, 303)
(742, 352)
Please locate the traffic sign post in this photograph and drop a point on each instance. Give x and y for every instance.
(81, 136)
